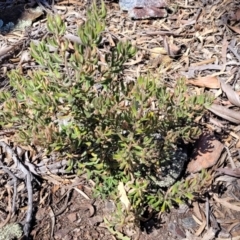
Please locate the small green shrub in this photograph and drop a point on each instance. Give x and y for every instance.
(78, 105)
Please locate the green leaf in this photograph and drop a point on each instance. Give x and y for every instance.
(189, 195)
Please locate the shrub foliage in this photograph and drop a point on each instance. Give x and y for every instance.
(77, 103)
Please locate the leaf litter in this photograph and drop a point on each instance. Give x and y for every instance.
(198, 40)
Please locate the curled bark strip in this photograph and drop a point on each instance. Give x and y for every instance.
(230, 172)
(234, 51)
(28, 178)
(57, 167)
(90, 208)
(15, 179)
(233, 97)
(225, 113)
(65, 205)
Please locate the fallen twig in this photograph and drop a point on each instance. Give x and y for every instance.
(28, 178)
(15, 179)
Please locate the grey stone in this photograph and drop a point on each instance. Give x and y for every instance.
(127, 5)
(171, 168)
(142, 9)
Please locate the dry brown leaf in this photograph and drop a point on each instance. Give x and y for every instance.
(230, 172)
(190, 236)
(225, 113)
(55, 188)
(196, 219)
(206, 154)
(233, 225)
(201, 228)
(110, 39)
(231, 238)
(207, 61)
(172, 49)
(234, 51)
(224, 50)
(226, 179)
(42, 198)
(206, 67)
(158, 56)
(237, 15)
(53, 221)
(123, 196)
(235, 29)
(234, 135)
(208, 82)
(68, 2)
(5, 49)
(166, 61)
(55, 179)
(225, 202)
(155, 62)
(208, 235)
(155, 52)
(238, 144)
(233, 96)
(197, 211)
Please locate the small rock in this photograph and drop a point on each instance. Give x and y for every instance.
(144, 9)
(95, 220)
(188, 223)
(176, 230)
(61, 233)
(41, 213)
(109, 206)
(183, 208)
(72, 217)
